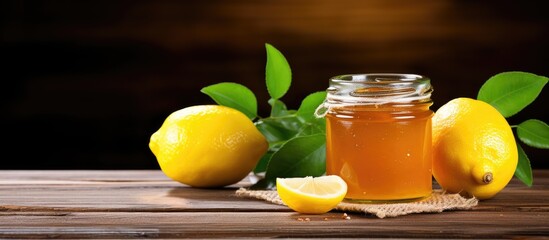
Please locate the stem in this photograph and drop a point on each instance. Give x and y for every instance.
(487, 178)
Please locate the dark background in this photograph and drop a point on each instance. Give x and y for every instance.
(85, 83)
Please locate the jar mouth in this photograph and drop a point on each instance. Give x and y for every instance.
(386, 78)
(379, 88)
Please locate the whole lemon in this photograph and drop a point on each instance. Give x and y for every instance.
(474, 150)
(207, 146)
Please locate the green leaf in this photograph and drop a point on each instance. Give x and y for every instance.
(278, 108)
(271, 132)
(310, 129)
(313, 126)
(309, 104)
(233, 95)
(299, 157)
(534, 133)
(264, 184)
(288, 126)
(263, 162)
(524, 171)
(510, 92)
(278, 74)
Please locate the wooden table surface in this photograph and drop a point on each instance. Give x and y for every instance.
(146, 204)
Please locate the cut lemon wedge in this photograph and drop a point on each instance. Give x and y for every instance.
(311, 195)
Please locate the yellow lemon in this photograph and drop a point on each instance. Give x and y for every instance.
(312, 195)
(207, 146)
(474, 150)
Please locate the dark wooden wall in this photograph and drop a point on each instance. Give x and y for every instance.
(85, 83)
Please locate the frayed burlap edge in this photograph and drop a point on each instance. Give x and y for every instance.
(438, 202)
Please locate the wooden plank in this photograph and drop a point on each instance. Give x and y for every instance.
(38, 177)
(275, 224)
(129, 204)
(83, 175)
(126, 197)
(84, 191)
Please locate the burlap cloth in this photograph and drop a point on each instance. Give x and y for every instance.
(439, 201)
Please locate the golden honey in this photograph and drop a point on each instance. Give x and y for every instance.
(378, 136)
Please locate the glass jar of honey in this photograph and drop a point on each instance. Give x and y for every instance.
(378, 135)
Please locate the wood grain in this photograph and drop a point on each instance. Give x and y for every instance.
(272, 224)
(146, 204)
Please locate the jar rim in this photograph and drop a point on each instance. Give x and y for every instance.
(376, 89)
(378, 77)
(379, 88)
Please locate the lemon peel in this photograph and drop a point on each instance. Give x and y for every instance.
(207, 146)
(474, 149)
